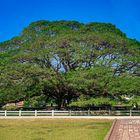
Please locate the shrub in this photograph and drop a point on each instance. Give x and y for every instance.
(9, 107)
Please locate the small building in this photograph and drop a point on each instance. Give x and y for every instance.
(16, 104)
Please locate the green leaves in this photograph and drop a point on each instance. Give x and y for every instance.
(63, 60)
(93, 102)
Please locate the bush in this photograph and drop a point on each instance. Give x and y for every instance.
(9, 107)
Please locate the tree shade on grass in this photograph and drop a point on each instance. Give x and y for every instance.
(52, 129)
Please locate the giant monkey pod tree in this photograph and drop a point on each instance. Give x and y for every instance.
(70, 63)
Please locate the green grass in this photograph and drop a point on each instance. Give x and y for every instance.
(53, 129)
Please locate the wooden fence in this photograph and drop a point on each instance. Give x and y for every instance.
(71, 113)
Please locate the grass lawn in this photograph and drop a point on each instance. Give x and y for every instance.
(53, 129)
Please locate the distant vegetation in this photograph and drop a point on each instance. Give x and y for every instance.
(70, 64)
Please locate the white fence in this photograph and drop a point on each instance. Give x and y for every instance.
(71, 113)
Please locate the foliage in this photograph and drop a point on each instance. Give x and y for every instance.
(93, 102)
(36, 101)
(63, 60)
(9, 107)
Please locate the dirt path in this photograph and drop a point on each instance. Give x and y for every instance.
(126, 129)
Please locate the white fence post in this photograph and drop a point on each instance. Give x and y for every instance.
(89, 112)
(130, 112)
(5, 113)
(35, 113)
(109, 112)
(52, 112)
(19, 112)
(70, 113)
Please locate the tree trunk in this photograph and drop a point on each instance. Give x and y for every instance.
(59, 103)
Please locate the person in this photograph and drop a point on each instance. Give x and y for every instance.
(134, 105)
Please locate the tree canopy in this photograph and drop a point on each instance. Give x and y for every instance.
(65, 60)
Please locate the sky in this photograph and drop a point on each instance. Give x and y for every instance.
(15, 15)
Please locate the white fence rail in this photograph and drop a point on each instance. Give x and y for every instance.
(71, 113)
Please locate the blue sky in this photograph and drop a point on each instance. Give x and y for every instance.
(17, 14)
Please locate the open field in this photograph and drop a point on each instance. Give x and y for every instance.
(53, 129)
